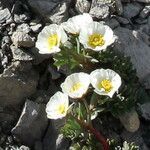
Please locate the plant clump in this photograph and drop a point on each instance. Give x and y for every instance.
(99, 80)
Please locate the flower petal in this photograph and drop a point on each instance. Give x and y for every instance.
(105, 81)
(49, 39)
(74, 24)
(57, 101)
(76, 85)
(103, 36)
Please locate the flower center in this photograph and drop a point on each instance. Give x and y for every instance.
(96, 40)
(76, 87)
(52, 41)
(106, 85)
(61, 109)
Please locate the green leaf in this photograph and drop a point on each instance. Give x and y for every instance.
(71, 129)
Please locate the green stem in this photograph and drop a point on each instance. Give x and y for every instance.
(79, 110)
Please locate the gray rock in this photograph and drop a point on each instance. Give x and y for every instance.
(113, 23)
(58, 142)
(51, 11)
(35, 21)
(7, 119)
(146, 133)
(12, 28)
(99, 9)
(145, 12)
(17, 82)
(31, 124)
(122, 20)
(144, 147)
(143, 1)
(23, 28)
(42, 96)
(60, 13)
(113, 135)
(22, 39)
(38, 58)
(82, 6)
(21, 18)
(54, 73)
(130, 121)
(20, 12)
(42, 7)
(20, 54)
(142, 35)
(144, 110)
(36, 28)
(7, 4)
(119, 7)
(141, 21)
(2, 138)
(131, 10)
(62, 143)
(4, 15)
(131, 45)
(57, 124)
(1, 6)
(4, 61)
(135, 137)
(10, 139)
(24, 148)
(146, 29)
(126, 1)
(38, 145)
(49, 140)
(148, 21)
(6, 39)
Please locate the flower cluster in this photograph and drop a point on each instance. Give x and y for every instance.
(83, 45)
(76, 85)
(92, 35)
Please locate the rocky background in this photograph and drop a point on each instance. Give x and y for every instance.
(28, 79)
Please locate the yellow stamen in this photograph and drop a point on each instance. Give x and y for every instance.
(96, 40)
(52, 41)
(76, 87)
(106, 85)
(61, 109)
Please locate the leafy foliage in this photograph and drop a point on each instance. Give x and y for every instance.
(128, 93)
(122, 102)
(71, 129)
(76, 58)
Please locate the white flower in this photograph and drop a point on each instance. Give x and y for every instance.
(57, 106)
(49, 39)
(74, 24)
(105, 81)
(96, 36)
(76, 84)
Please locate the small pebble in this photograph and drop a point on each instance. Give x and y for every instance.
(36, 28)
